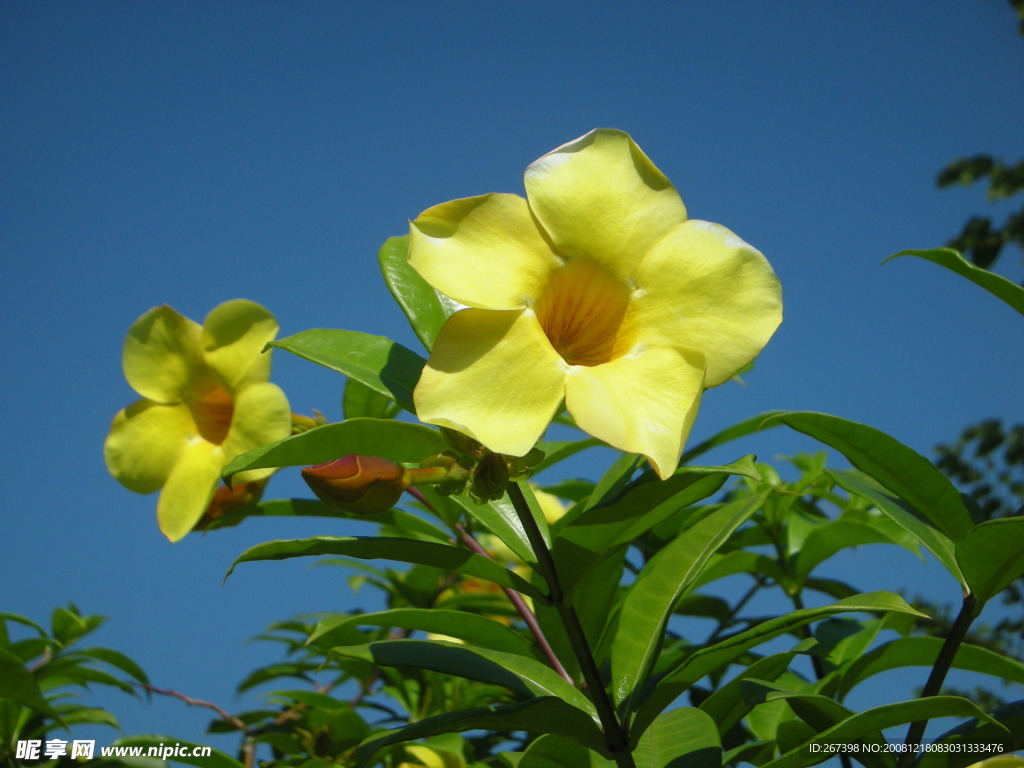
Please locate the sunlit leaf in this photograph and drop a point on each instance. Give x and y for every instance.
(902, 470)
(387, 548)
(396, 441)
(682, 738)
(871, 721)
(383, 365)
(991, 556)
(360, 400)
(664, 579)
(972, 741)
(922, 652)
(478, 630)
(426, 309)
(546, 714)
(525, 677)
(560, 752)
(995, 284)
(708, 659)
(736, 431)
(933, 540)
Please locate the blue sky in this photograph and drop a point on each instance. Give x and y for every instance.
(188, 154)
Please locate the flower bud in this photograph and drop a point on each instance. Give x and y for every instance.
(490, 478)
(361, 484)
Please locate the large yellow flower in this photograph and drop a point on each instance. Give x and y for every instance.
(205, 399)
(597, 289)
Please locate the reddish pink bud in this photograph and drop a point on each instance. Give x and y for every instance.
(361, 484)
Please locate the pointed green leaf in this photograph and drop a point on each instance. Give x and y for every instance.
(474, 629)
(706, 660)
(361, 400)
(396, 518)
(995, 284)
(557, 450)
(426, 309)
(972, 741)
(500, 518)
(17, 683)
(118, 660)
(922, 652)
(599, 531)
(727, 706)
(902, 470)
(830, 538)
(396, 441)
(866, 724)
(387, 548)
(682, 738)
(383, 365)
(933, 540)
(736, 431)
(547, 714)
(523, 676)
(990, 557)
(663, 580)
(552, 751)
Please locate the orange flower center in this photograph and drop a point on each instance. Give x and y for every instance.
(581, 312)
(212, 414)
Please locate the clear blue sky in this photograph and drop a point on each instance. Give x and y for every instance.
(192, 153)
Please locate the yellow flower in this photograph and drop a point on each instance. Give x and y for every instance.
(205, 399)
(595, 289)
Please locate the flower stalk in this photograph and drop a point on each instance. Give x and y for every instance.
(615, 735)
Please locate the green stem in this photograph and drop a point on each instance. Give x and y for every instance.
(940, 668)
(615, 734)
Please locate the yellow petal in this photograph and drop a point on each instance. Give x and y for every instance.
(234, 334)
(162, 356)
(484, 252)
(705, 289)
(261, 416)
(643, 402)
(189, 488)
(144, 443)
(493, 376)
(600, 197)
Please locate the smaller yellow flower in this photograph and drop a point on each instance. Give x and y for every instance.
(205, 399)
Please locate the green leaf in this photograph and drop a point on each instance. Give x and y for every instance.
(736, 431)
(552, 751)
(500, 518)
(396, 441)
(387, 548)
(922, 652)
(396, 518)
(474, 629)
(990, 557)
(383, 365)
(683, 738)
(524, 676)
(934, 541)
(360, 400)
(600, 531)
(866, 724)
(547, 714)
(426, 309)
(995, 284)
(557, 450)
(118, 660)
(727, 705)
(830, 538)
(971, 742)
(706, 660)
(662, 582)
(216, 758)
(902, 470)
(17, 683)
